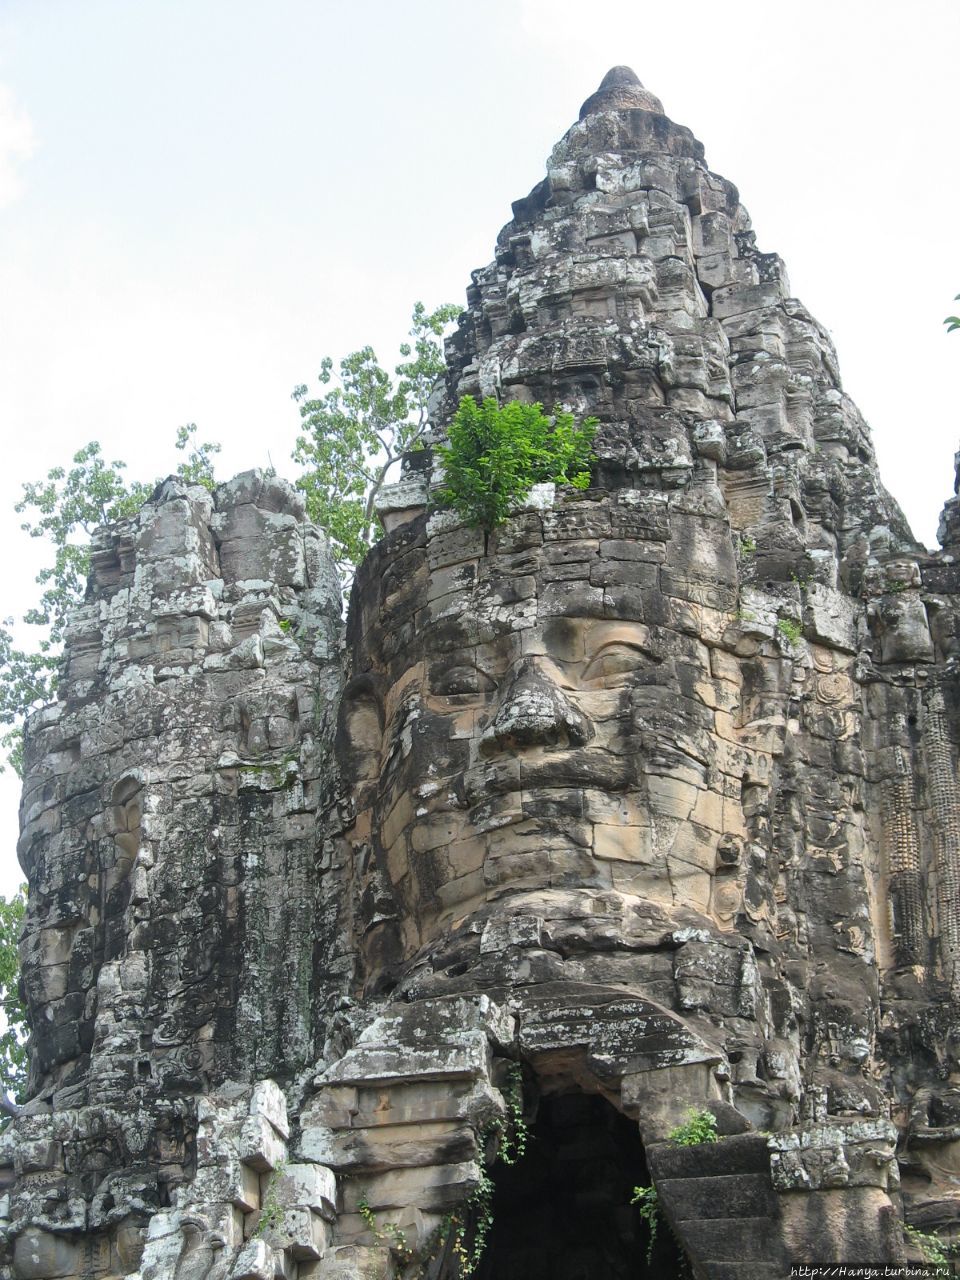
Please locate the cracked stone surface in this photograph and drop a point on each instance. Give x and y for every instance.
(651, 792)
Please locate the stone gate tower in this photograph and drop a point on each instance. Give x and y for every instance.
(646, 801)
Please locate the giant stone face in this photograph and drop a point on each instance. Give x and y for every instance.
(530, 717)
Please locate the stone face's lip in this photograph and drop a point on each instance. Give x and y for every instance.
(621, 90)
(566, 773)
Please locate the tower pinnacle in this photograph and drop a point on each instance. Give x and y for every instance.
(620, 89)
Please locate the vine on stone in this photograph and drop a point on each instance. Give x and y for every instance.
(645, 1198)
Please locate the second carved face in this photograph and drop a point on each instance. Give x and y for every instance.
(527, 730)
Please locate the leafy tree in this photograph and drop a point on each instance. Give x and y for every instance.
(13, 1051)
(65, 508)
(199, 464)
(496, 455)
(355, 431)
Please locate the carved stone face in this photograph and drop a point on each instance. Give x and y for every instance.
(531, 732)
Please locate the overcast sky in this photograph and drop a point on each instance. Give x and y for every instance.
(201, 198)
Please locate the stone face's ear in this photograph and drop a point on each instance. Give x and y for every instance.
(360, 728)
(127, 813)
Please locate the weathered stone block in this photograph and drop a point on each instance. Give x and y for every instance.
(232, 1181)
(351, 1262)
(255, 1261)
(40, 1255)
(260, 1146)
(301, 1232)
(38, 1156)
(380, 1147)
(829, 617)
(309, 1185)
(267, 1100)
(432, 1189)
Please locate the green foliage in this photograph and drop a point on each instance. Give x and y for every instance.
(790, 630)
(953, 322)
(748, 545)
(496, 455)
(13, 1050)
(367, 1214)
(356, 430)
(699, 1126)
(390, 1233)
(64, 509)
(513, 1134)
(198, 467)
(68, 505)
(646, 1199)
(933, 1249)
(27, 680)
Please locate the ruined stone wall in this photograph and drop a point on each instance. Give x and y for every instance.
(646, 799)
(180, 915)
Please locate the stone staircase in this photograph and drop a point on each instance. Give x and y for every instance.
(721, 1206)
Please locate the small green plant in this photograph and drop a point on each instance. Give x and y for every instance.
(790, 630)
(953, 322)
(645, 1198)
(271, 1210)
(389, 1233)
(285, 624)
(513, 1133)
(933, 1249)
(800, 581)
(699, 1126)
(496, 455)
(748, 545)
(367, 1214)
(480, 1211)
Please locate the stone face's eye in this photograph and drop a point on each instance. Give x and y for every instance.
(614, 664)
(463, 678)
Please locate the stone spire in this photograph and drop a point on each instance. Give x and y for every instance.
(621, 90)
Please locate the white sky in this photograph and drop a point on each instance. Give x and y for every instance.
(201, 198)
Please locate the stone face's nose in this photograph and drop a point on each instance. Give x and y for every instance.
(533, 712)
(621, 90)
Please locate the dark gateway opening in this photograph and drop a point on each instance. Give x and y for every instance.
(563, 1212)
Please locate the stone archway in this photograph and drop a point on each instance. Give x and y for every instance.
(564, 1211)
